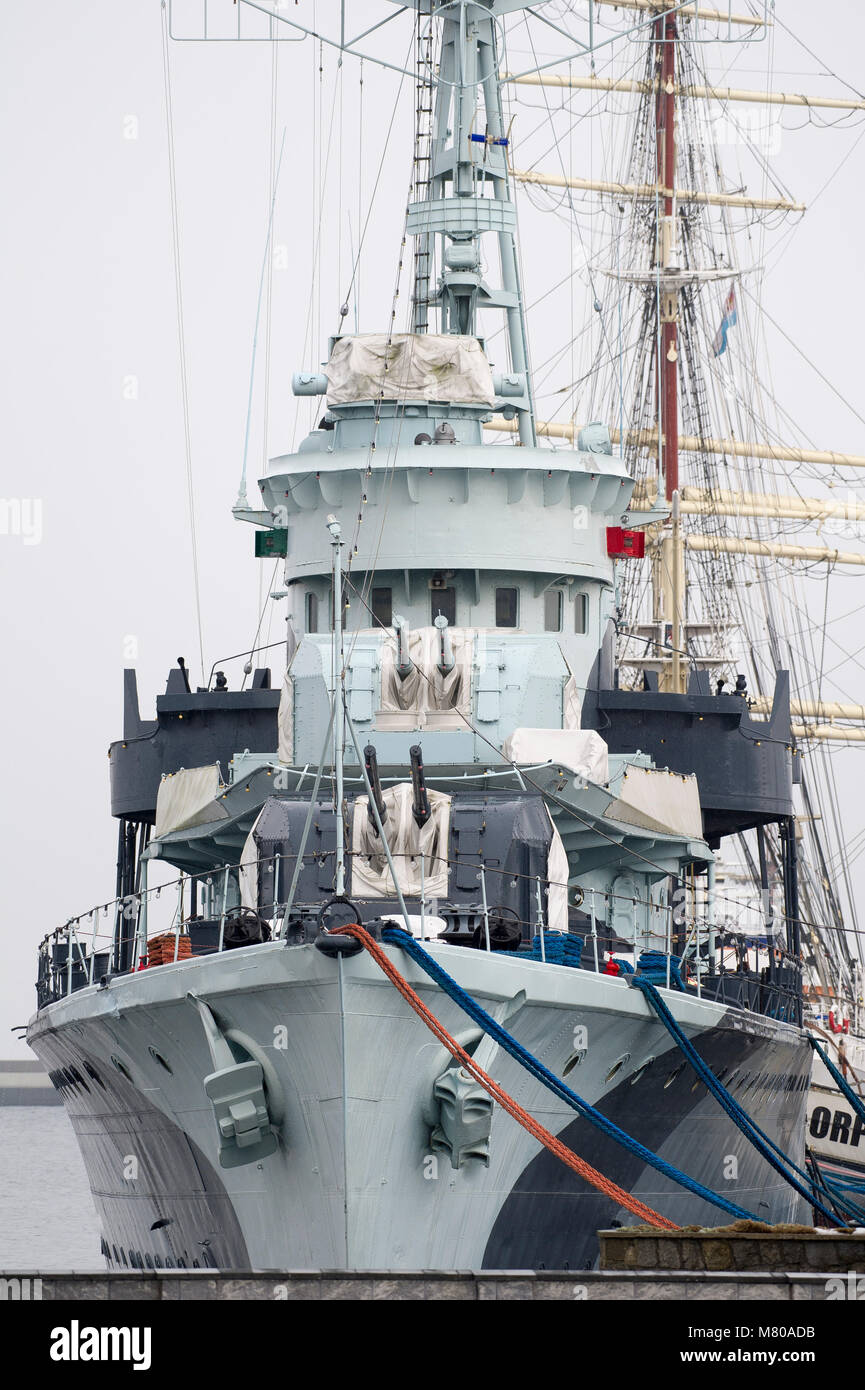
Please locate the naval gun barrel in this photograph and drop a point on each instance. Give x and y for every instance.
(371, 760)
(403, 660)
(420, 801)
(446, 651)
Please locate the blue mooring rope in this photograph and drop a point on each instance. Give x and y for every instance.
(839, 1079)
(836, 1192)
(765, 1146)
(395, 936)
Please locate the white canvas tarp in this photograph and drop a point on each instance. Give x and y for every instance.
(410, 366)
(425, 688)
(657, 799)
(557, 878)
(188, 798)
(583, 751)
(285, 721)
(248, 872)
(370, 875)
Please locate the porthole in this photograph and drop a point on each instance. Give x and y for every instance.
(641, 1070)
(94, 1074)
(617, 1066)
(673, 1074)
(573, 1061)
(121, 1067)
(158, 1057)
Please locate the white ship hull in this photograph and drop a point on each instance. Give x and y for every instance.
(836, 1135)
(350, 1071)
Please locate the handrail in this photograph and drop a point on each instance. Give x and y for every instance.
(656, 932)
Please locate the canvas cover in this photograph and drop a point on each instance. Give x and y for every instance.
(657, 799)
(188, 798)
(557, 878)
(370, 875)
(248, 871)
(285, 720)
(409, 366)
(583, 751)
(425, 688)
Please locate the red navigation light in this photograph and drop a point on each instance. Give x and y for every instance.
(625, 545)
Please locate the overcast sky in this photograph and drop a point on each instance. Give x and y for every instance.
(92, 426)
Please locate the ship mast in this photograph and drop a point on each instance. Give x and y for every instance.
(668, 560)
(461, 148)
(665, 252)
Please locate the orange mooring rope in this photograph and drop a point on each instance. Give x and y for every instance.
(522, 1117)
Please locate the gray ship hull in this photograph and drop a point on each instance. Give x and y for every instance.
(349, 1074)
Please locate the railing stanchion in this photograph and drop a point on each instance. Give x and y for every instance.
(141, 934)
(422, 897)
(277, 919)
(595, 932)
(224, 906)
(485, 908)
(669, 940)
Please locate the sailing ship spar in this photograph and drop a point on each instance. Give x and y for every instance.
(504, 745)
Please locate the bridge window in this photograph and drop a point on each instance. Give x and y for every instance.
(506, 607)
(382, 607)
(581, 613)
(553, 610)
(312, 612)
(444, 601)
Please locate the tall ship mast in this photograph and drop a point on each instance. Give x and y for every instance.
(436, 973)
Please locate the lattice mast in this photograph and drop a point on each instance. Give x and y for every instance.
(462, 189)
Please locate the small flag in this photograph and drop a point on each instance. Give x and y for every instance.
(719, 343)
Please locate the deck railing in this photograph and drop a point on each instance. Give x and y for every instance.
(87, 950)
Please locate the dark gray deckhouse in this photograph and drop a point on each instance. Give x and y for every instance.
(450, 750)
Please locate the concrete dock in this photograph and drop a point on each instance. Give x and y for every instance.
(473, 1286)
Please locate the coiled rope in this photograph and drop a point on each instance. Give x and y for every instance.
(578, 1165)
